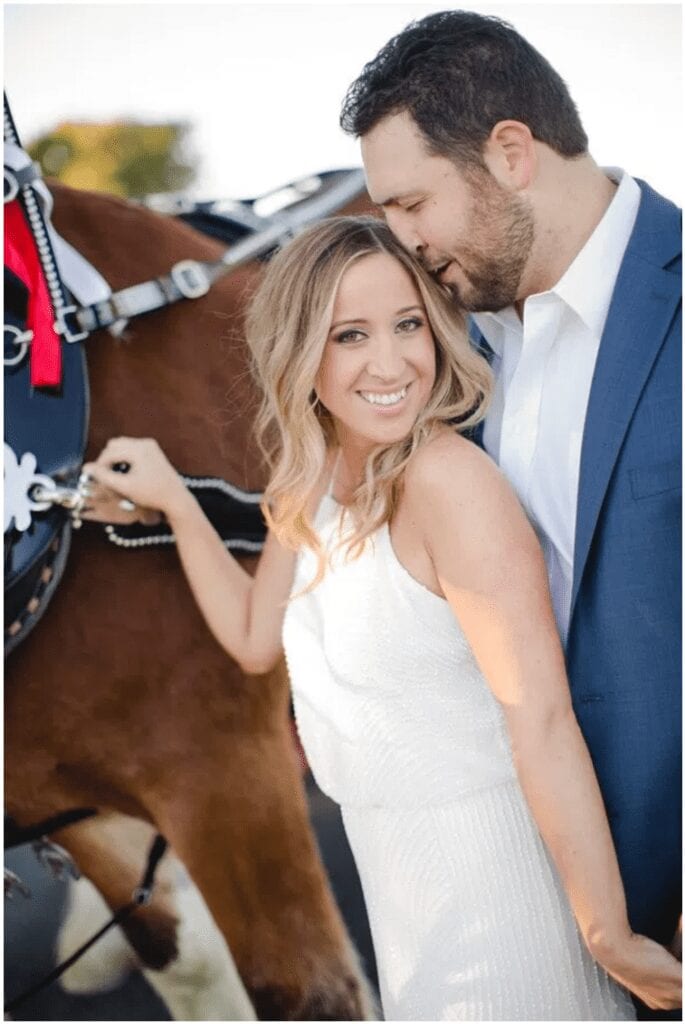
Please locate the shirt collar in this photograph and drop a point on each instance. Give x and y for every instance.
(494, 326)
(588, 283)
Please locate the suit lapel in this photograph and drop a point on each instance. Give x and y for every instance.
(643, 305)
(479, 343)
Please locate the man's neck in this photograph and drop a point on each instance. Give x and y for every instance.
(568, 210)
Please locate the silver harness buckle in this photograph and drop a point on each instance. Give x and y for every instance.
(62, 327)
(190, 279)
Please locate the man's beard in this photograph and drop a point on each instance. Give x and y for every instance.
(504, 229)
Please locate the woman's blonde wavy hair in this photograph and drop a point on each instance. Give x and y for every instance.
(288, 323)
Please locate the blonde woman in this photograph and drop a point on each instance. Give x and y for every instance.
(409, 593)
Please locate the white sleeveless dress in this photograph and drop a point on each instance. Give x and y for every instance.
(468, 916)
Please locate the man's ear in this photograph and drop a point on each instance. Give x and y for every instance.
(510, 155)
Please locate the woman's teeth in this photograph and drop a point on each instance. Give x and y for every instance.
(391, 399)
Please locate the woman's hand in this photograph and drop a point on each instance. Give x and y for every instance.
(648, 970)
(151, 482)
(676, 943)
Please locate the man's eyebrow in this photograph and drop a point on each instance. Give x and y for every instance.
(394, 199)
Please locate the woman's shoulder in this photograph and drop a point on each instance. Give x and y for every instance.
(448, 464)
(450, 481)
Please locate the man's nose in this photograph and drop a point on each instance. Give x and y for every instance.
(405, 232)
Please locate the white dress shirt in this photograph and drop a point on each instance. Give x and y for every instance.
(543, 368)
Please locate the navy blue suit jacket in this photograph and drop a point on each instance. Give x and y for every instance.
(624, 642)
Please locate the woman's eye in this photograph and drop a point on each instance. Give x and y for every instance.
(347, 336)
(411, 323)
(413, 206)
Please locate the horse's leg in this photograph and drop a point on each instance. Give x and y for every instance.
(104, 966)
(250, 850)
(203, 983)
(179, 948)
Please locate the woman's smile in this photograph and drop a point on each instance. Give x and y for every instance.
(386, 402)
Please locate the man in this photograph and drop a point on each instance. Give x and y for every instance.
(475, 152)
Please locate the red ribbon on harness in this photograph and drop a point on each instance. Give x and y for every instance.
(21, 256)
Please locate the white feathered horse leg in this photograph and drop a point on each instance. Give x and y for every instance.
(203, 982)
(178, 948)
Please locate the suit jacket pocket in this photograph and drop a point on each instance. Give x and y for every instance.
(648, 480)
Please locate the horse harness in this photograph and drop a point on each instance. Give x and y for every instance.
(46, 378)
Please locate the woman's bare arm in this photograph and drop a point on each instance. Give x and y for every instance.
(491, 570)
(244, 613)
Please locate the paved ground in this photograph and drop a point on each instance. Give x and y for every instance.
(31, 925)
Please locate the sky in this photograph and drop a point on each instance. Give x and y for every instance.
(262, 83)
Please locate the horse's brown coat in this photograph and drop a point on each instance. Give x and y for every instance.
(121, 699)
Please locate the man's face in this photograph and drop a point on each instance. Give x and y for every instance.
(470, 231)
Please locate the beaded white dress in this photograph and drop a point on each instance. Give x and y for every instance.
(468, 916)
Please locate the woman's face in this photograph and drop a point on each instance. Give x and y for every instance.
(378, 365)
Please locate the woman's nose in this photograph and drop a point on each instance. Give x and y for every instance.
(385, 359)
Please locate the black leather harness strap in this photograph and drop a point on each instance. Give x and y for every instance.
(15, 834)
(234, 513)
(140, 897)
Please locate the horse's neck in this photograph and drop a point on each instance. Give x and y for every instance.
(180, 374)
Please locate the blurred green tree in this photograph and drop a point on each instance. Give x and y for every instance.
(121, 157)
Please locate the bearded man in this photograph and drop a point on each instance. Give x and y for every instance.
(475, 152)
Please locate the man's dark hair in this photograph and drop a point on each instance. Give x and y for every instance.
(457, 74)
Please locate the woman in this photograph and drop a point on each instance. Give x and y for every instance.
(409, 593)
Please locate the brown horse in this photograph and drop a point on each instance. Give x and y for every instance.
(121, 699)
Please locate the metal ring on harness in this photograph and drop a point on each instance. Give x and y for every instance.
(23, 339)
(11, 190)
(141, 896)
(46, 493)
(43, 493)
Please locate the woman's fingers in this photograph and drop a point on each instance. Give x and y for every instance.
(113, 514)
(151, 481)
(106, 505)
(106, 477)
